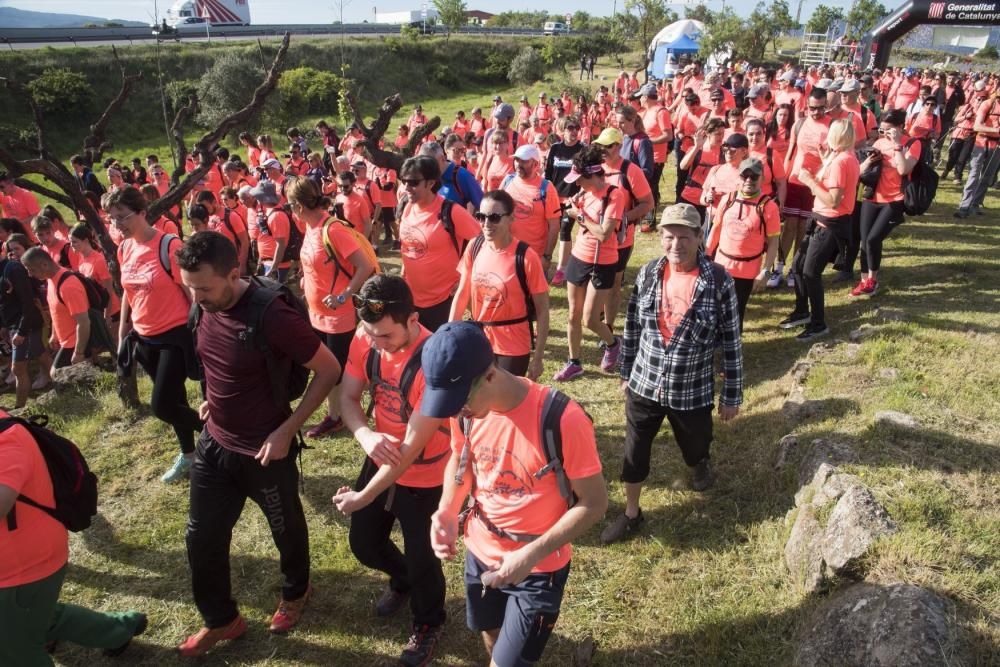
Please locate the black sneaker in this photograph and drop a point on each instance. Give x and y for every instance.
(961, 213)
(140, 627)
(621, 527)
(843, 277)
(420, 649)
(813, 331)
(702, 477)
(794, 320)
(390, 602)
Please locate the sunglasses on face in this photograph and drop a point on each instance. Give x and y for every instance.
(376, 306)
(344, 186)
(492, 218)
(750, 177)
(816, 109)
(411, 182)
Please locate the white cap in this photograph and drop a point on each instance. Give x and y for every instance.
(528, 152)
(271, 163)
(979, 85)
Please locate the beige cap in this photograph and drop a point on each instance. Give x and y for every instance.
(682, 215)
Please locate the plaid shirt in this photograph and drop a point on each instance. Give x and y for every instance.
(680, 374)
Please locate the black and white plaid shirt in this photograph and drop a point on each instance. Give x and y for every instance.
(680, 374)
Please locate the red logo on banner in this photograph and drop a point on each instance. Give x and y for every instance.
(936, 10)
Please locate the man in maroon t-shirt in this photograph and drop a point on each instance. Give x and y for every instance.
(250, 437)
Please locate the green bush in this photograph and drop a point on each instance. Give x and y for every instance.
(988, 53)
(407, 31)
(496, 65)
(61, 89)
(527, 67)
(228, 87)
(178, 92)
(306, 90)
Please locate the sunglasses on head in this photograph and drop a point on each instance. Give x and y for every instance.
(376, 306)
(411, 182)
(492, 218)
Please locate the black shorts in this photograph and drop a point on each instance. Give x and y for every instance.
(339, 344)
(798, 200)
(31, 348)
(601, 276)
(624, 254)
(525, 614)
(388, 214)
(514, 365)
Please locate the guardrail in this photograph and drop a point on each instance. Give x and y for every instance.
(74, 35)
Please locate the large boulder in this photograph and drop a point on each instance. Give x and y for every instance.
(856, 522)
(78, 376)
(802, 555)
(867, 625)
(824, 451)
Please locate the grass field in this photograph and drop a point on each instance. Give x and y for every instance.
(704, 583)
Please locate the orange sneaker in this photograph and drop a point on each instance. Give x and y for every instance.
(202, 641)
(289, 613)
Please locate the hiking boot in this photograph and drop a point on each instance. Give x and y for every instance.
(568, 372)
(774, 280)
(179, 470)
(813, 331)
(702, 477)
(390, 602)
(420, 649)
(141, 623)
(326, 427)
(621, 527)
(202, 641)
(961, 214)
(559, 279)
(289, 613)
(867, 287)
(609, 360)
(794, 320)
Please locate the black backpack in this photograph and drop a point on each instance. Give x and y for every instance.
(294, 246)
(920, 187)
(288, 379)
(449, 225)
(522, 278)
(74, 487)
(97, 296)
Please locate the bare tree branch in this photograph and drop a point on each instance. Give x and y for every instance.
(207, 143)
(95, 144)
(177, 134)
(417, 135)
(372, 135)
(44, 191)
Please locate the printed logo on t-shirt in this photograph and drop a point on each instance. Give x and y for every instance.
(140, 282)
(389, 402)
(740, 228)
(522, 210)
(491, 289)
(504, 487)
(413, 243)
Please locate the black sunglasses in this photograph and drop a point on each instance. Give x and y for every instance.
(376, 306)
(492, 218)
(812, 108)
(411, 182)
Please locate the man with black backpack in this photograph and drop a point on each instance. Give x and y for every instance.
(528, 456)
(34, 550)
(256, 348)
(400, 479)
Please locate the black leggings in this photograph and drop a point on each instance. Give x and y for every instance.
(821, 246)
(958, 155)
(877, 222)
(744, 286)
(167, 366)
(514, 365)
(436, 316)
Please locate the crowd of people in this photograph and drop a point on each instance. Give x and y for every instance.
(779, 172)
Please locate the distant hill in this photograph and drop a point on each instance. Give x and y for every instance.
(19, 18)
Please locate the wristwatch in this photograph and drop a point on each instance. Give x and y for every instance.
(341, 299)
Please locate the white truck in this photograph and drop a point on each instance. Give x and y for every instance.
(193, 14)
(414, 17)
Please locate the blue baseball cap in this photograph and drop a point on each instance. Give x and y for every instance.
(452, 358)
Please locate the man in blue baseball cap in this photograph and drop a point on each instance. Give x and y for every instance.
(528, 455)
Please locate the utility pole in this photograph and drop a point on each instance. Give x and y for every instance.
(798, 14)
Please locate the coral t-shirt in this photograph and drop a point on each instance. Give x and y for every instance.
(811, 139)
(389, 406)
(356, 208)
(21, 205)
(497, 171)
(74, 302)
(656, 122)
(531, 215)
(496, 295)
(586, 247)
(216, 224)
(94, 266)
(40, 544)
(430, 259)
(741, 234)
(640, 189)
(321, 277)
(505, 454)
(165, 225)
(278, 227)
(841, 173)
(769, 178)
(675, 299)
(158, 300)
(890, 183)
(922, 125)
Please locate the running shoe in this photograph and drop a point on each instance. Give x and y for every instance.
(867, 287)
(813, 331)
(794, 320)
(609, 360)
(568, 372)
(559, 279)
(179, 470)
(289, 613)
(621, 527)
(791, 279)
(774, 280)
(420, 649)
(326, 427)
(202, 641)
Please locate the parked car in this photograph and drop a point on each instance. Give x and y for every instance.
(555, 28)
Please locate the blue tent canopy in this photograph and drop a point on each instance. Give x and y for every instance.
(683, 44)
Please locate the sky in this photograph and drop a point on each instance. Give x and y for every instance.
(356, 11)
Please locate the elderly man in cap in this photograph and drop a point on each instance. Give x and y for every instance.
(682, 308)
(659, 129)
(528, 455)
(761, 103)
(536, 204)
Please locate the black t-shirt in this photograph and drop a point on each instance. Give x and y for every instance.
(242, 411)
(558, 164)
(18, 298)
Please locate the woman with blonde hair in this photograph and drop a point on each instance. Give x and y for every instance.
(334, 266)
(834, 188)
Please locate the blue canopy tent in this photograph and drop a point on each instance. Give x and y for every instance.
(661, 62)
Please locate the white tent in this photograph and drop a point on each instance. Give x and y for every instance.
(688, 27)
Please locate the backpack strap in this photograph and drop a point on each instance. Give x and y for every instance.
(449, 224)
(454, 181)
(331, 253)
(165, 242)
(260, 300)
(623, 178)
(522, 277)
(229, 225)
(507, 180)
(549, 430)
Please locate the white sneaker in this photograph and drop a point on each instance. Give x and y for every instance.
(791, 280)
(774, 280)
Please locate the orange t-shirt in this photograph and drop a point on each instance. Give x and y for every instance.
(356, 208)
(497, 171)
(165, 225)
(94, 266)
(279, 227)
(40, 544)
(988, 113)
(55, 251)
(698, 173)
(586, 247)
(725, 178)
(531, 215)
(389, 405)
(430, 260)
(812, 137)
(216, 224)
(505, 454)
(495, 294)
(740, 234)
(321, 277)
(21, 205)
(656, 122)
(769, 178)
(385, 177)
(640, 189)
(841, 173)
(253, 156)
(922, 125)
(158, 300)
(675, 299)
(688, 123)
(890, 183)
(74, 302)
